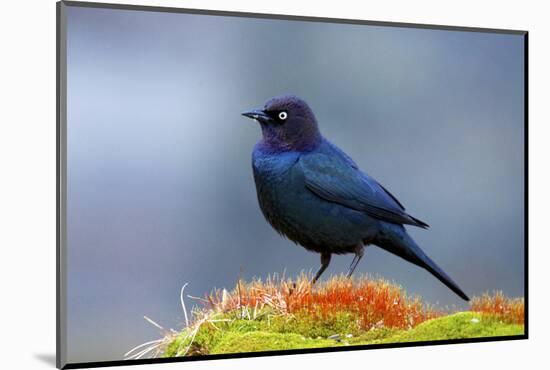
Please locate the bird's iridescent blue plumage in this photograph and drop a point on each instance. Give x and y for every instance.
(310, 191)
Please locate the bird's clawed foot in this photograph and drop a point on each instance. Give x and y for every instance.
(325, 260)
(355, 261)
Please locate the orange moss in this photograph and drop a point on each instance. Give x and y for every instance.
(375, 303)
(510, 310)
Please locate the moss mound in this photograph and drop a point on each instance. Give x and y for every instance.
(283, 314)
(458, 326)
(281, 334)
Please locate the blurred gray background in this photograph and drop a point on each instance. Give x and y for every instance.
(160, 187)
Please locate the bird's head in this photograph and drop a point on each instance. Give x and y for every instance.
(288, 124)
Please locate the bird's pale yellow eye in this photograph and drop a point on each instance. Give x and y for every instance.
(283, 115)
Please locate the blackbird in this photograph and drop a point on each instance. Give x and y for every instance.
(313, 193)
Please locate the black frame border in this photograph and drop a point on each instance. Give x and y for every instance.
(61, 162)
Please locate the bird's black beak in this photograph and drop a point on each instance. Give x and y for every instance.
(258, 115)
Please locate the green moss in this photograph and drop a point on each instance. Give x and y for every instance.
(234, 342)
(373, 336)
(316, 326)
(271, 332)
(458, 326)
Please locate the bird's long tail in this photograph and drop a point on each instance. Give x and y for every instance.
(396, 240)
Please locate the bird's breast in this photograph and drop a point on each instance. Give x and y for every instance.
(276, 185)
(296, 212)
(274, 180)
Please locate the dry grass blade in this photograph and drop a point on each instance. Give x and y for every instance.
(142, 345)
(183, 305)
(157, 345)
(153, 323)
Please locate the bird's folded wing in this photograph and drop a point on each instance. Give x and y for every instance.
(335, 180)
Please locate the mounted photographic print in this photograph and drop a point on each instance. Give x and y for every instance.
(237, 184)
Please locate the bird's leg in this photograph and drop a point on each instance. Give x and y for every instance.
(325, 260)
(356, 259)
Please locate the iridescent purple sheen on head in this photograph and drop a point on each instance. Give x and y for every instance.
(298, 132)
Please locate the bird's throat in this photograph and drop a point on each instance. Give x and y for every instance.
(281, 140)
